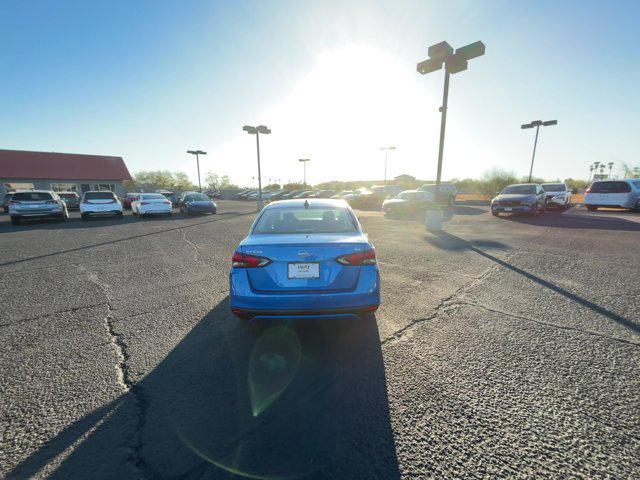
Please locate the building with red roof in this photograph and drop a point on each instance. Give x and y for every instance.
(61, 172)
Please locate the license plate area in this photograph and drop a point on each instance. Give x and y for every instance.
(507, 209)
(303, 270)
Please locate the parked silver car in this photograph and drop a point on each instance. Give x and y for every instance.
(27, 204)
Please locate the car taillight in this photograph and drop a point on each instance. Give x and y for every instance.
(14, 202)
(587, 190)
(244, 260)
(368, 257)
(167, 202)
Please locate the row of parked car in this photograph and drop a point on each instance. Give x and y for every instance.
(33, 204)
(371, 198)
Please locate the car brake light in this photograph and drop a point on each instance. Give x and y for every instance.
(244, 260)
(587, 190)
(167, 202)
(368, 257)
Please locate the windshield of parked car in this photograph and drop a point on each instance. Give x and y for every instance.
(326, 219)
(410, 195)
(520, 189)
(196, 197)
(31, 196)
(152, 196)
(554, 187)
(99, 196)
(68, 196)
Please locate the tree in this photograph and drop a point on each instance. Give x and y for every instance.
(494, 180)
(213, 180)
(575, 185)
(181, 181)
(157, 178)
(293, 186)
(272, 187)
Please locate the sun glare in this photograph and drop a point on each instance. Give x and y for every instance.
(352, 101)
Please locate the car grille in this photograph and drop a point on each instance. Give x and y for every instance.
(510, 203)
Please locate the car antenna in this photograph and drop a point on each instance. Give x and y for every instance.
(306, 204)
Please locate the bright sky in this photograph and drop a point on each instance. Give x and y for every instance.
(334, 81)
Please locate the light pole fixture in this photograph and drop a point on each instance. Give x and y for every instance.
(304, 164)
(197, 153)
(442, 54)
(260, 129)
(537, 124)
(610, 165)
(386, 153)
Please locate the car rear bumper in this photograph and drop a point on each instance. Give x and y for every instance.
(152, 211)
(200, 210)
(21, 212)
(364, 297)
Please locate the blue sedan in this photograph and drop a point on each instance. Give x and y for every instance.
(304, 258)
(197, 203)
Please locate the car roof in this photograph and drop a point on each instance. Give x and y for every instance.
(522, 184)
(75, 193)
(98, 191)
(312, 202)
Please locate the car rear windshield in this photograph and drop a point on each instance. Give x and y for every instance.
(306, 220)
(99, 196)
(554, 187)
(520, 189)
(68, 196)
(610, 187)
(31, 196)
(196, 197)
(152, 196)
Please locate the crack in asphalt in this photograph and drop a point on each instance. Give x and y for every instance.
(547, 324)
(123, 376)
(193, 245)
(21, 321)
(447, 301)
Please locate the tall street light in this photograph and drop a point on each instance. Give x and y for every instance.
(442, 54)
(610, 165)
(537, 124)
(257, 131)
(386, 153)
(197, 153)
(304, 163)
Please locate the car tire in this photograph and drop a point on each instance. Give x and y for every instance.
(495, 214)
(62, 218)
(84, 216)
(120, 215)
(15, 220)
(592, 208)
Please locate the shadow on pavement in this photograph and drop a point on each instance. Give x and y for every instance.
(216, 218)
(451, 242)
(300, 401)
(578, 221)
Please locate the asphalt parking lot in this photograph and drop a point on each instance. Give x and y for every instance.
(504, 347)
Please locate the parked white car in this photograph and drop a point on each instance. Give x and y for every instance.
(558, 195)
(151, 204)
(100, 204)
(613, 193)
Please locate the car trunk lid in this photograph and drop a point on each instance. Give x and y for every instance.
(306, 264)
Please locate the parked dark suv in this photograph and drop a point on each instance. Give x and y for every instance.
(527, 198)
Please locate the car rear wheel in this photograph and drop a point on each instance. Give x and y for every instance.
(15, 220)
(591, 208)
(85, 217)
(495, 214)
(62, 218)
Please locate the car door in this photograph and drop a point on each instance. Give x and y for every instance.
(541, 199)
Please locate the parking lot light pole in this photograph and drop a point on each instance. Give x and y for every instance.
(537, 124)
(442, 54)
(197, 153)
(304, 169)
(386, 153)
(257, 131)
